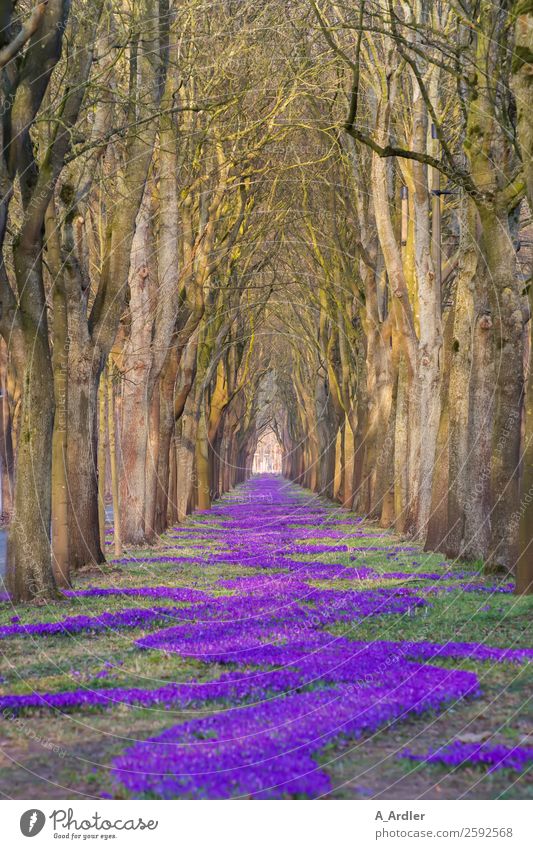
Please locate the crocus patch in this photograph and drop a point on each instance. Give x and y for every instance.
(459, 754)
(284, 685)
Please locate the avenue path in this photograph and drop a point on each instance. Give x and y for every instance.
(257, 640)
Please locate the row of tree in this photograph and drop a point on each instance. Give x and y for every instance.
(220, 219)
(424, 284)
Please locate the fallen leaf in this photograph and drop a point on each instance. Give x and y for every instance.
(473, 738)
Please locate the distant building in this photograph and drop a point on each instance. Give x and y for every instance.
(267, 457)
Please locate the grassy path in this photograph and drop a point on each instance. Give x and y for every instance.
(276, 646)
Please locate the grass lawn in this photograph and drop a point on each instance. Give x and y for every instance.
(52, 754)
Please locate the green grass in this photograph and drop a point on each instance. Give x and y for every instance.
(87, 740)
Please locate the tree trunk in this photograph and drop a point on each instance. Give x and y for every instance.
(185, 457)
(401, 450)
(477, 503)
(152, 467)
(438, 519)
(60, 542)
(117, 530)
(137, 362)
(524, 520)
(508, 317)
(102, 451)
(166, 451)
(459, 384)
(82, 462)
(202, 463)
(522, 84)
(172, 497)
(29, 565)
(6, 444)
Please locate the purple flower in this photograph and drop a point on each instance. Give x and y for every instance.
(289, 687)
(459, 754)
